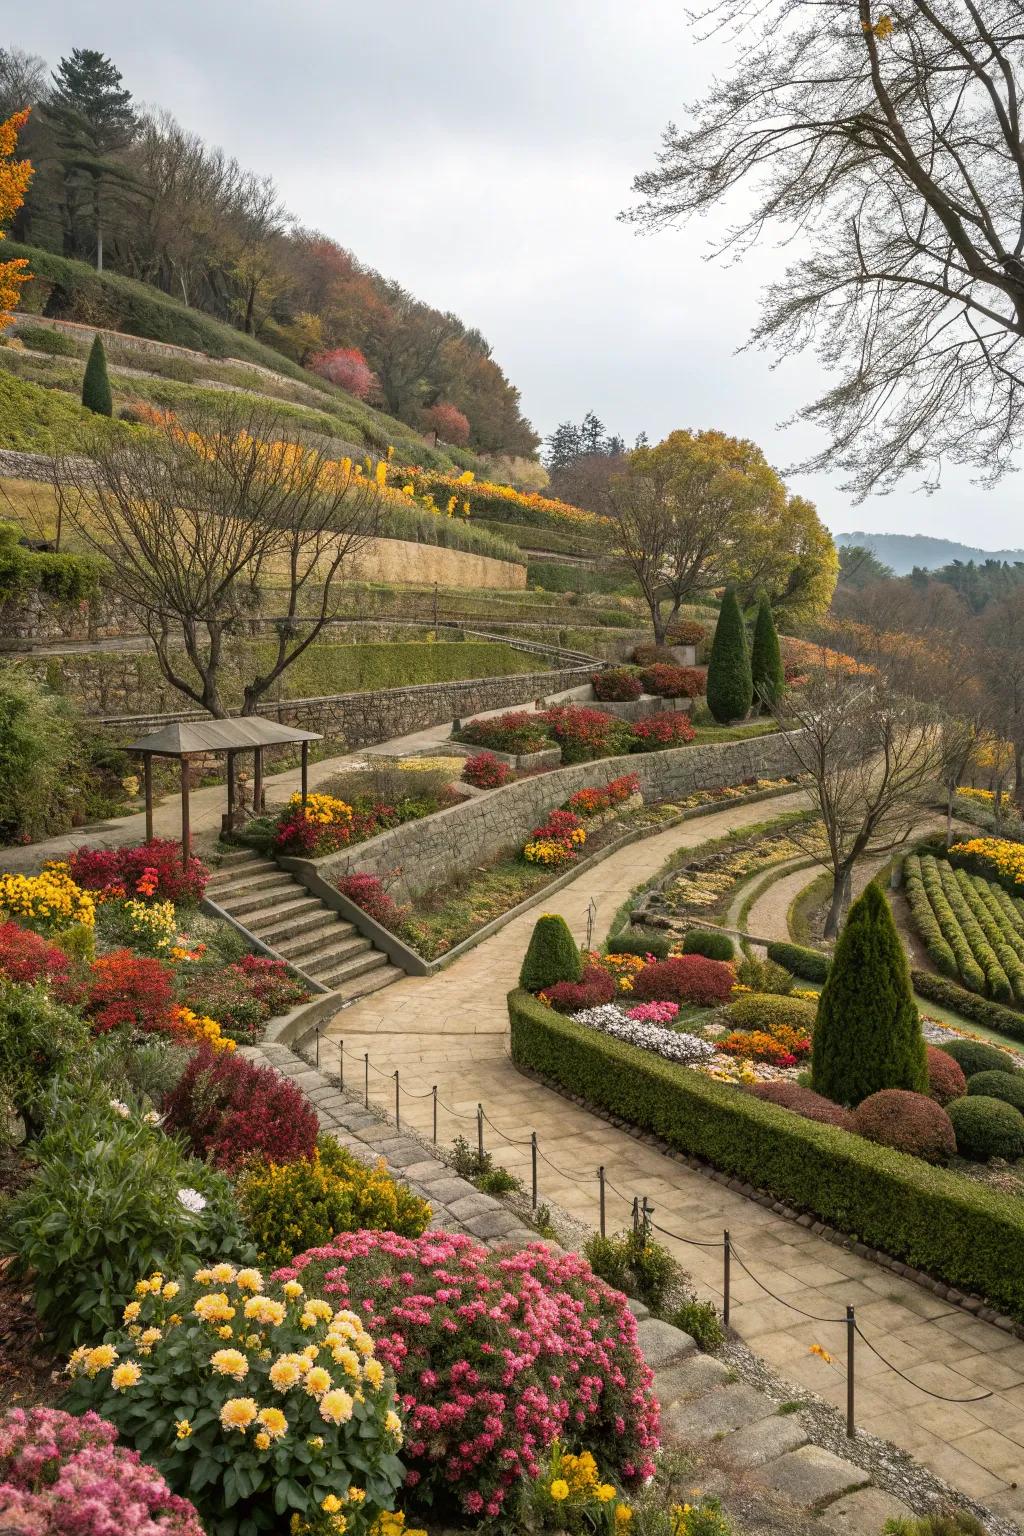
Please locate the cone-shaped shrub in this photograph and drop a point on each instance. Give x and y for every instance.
(553, 955)
(868, 1034)
(96, 394)
(730, 686)
(767, 674)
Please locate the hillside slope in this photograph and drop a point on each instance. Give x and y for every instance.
(902, 551)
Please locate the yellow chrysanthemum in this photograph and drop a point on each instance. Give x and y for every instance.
(284, 1373)
(100, 1359)
(317, 1381)
(131, 1311)
(238, 1413)
(336, 1407)
(230, 1362)
(183, 1429)
(125, 1375)
(292, 1289)
(274, 1422)
(559, 1489)
(373, 1372)
(249, 1280)
(262, 1309)
(223, 1273)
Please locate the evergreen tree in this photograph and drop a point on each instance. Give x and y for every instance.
(868, 1035)
(96, 394)
(553, 955)
(92, 115)
(767, 675)
(730, 685)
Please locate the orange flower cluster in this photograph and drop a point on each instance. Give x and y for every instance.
(15, 176)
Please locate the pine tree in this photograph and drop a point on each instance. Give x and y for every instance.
(96, 394)
(766, 671)
(91, 111)
(868, 1035)
(553, 955)
(730, 686)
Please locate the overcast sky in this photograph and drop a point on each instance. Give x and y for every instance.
(479, 151)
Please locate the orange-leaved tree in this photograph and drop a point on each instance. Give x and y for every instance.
(15, 176)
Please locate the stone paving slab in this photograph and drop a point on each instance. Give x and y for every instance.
(812, 1476)
(717, 1413)
(863, 1513)
(695, 1376)
(662, 1344)
(765, 1440)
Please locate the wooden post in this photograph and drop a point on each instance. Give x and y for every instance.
(257, 782)
(305, 771)
(147, 774)
(232, 790)
(186, 825)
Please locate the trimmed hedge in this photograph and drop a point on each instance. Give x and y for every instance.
(811, 964)
(640, 941)
(1008, 1086)
(768, 1010)
(938, 990)
(974, 1056)
(987, 1128)
(715, 946)
(939, 1221)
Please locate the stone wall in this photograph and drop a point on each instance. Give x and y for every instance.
(422, 855)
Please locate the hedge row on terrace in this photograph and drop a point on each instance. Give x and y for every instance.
(938, 1221)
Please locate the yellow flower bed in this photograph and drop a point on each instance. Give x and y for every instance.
(452, 765)
(50, 901)
(323, 810)
(994, 857)
(201, 1029)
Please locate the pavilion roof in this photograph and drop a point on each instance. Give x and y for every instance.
(239, 733)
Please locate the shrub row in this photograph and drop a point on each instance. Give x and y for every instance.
(970, 928)
(936, 1220)
(949, 995)
(937, 927)
(811, 964)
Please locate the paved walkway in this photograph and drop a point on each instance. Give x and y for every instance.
(452, 1029)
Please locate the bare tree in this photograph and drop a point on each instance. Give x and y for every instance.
(890, 147)
(199, 521)
(1002, 627)
(873, 756)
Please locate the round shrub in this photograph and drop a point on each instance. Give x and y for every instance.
(974, 1056)
(656, 732)
(688, 979)
(908, 1122)
(495, 1356)
(1008, 1086)
(986, 1128)
(28, 957)
(227, 1109)
(129, 991)
(805, 1102)
(649, 655)
(616, 685)
(946, 1080)
(596, 987)
(686, 632)
(61, 1475)
(768, 1011)
(485, 771)
(714, 946)
(641, 941)
(668, 682)
(551, 956)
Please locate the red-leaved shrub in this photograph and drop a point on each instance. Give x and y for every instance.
(584, 734)
(28, 957)
(495, 1356)
(368, 892)
(128, 991)
(227, 1108)
(616, 685)
(516, 731)
(346, 367)
(623, 787)
(946, 1079)
(688, 979)
(805, 1102)
(674, 682)
(150, 870)
(648, 653)
(653, 734)
(686, 632)
(597, 986)
(486, 771)
(909, 1122)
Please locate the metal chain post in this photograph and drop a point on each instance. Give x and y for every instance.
(366, 1078)
(533, 1160)
(341, 1063)
(433, 1092)
(480, 1132)
(851, 1334)
(600, 1196)
(398, 1107)
(727, 1265)
(318, 1048)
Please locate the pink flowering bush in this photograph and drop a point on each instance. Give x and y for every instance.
(64, 1476)
(495, 1357)
(653, 1013)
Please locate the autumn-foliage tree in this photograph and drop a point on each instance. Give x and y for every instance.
(346, 367)
(15, 176)
(448, 423)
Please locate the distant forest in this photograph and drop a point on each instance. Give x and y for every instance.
(905, 552)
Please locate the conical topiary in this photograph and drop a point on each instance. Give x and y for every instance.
(96, 394)
(553, 955)
(767, 675)
(868, 1034)
(730, 687)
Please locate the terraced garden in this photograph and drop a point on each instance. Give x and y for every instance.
(972, 929)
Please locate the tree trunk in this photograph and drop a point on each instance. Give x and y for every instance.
(949, 814)
(841, 890)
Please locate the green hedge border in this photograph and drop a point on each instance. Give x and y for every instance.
(970, 1236)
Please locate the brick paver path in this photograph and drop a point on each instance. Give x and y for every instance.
(452, 1029)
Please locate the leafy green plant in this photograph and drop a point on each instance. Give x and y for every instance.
(96, 395)
(700, 1320)
(634, 1263)
(766, 1011)
(766, 668)
(764, 976)
(957, 1522)
(482, 1170)
(956, 998)
(551, 956)
(715, 946)
(640, 941)
(986, 1128)
(38, 1038)
(974, 1056)
(37, 751)
(730, 685)
(1008, 1086)
(810, 964)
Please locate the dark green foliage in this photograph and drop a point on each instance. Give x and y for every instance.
(640, 941)
(987, 1128)
(37, 750)
(730, 685)
(974, 1056)
(62, 578)
(1008, 1086)
(868, 1035)
(553, 955)
(938, 990)
(811, 964)
(634, 1264)
(764, 976)
(766, 669)
(700, 1320)
(716, 946)
(96, 395)
(930, 1217)
(40, 338)
(38, 1037)
(958, 1523)
(762, 1010)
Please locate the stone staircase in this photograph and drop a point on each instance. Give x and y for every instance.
(298, 927)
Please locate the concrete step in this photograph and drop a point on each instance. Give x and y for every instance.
(316, 961)
(274, 914)
(270, 899)
(370, 960)
(310, 942)
(239, 857)
(373, 981)
(259, 878)
(307, 922)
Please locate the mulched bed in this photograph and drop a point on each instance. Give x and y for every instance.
(30, 1370)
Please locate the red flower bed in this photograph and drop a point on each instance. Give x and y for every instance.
(623, 787)
(658, 731)
(153, 870)
(516, 731)
(495, 1356)
(486, 771)
(674, 682)
(229, 1109)
(128, 991)
(688, 979)
(597, 986)
(584, 734)
(367, 891)
(616, 684)
(589, 802)
(28, 957)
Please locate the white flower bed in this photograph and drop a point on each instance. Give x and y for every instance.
(689, 1050)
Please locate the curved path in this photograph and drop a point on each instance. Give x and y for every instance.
(451, 1029)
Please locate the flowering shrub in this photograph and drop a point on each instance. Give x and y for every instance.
(616, 684)
(28, 957)
(153, 870)
(283, 1402)
(653, 1013)
(674, 1046)
(995, 858)
(292, 1206)
(321, 826)
(197, 1029)
(556, 840)
(517, 731)
(149, 927)
(657, 732)
(685, 979)
(243, 995)
(48, 902)
(571, 1496)
(64, 1476)
(128, 991)
(623, 788)
(346, 367)
(622, 968)
(228, 1109)
(494, 1357)
(783, 1047)
(486, 771)
(674, 682)
(584, 734)
(589, 802)
(596, 986)
(367, 891)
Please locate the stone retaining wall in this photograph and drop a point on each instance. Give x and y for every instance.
(421, 855)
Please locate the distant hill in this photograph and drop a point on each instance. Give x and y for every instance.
(902, 551)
